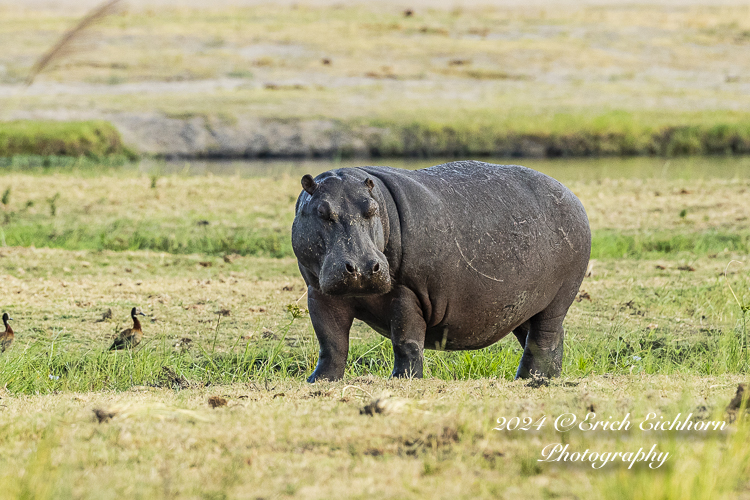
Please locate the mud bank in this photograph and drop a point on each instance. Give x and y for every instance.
(248, 137)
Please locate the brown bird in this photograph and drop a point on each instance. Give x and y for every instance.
(6, 337)
(129, 337)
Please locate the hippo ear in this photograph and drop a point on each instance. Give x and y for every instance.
(308, 184)
(369, 184)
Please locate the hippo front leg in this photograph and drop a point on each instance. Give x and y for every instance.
(332, 319)
(408, 330)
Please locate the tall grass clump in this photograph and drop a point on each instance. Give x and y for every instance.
(744, 307)
(94, 139)
(39, 477)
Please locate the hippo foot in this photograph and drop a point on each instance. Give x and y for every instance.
(408, 359)
(314, 378)
(329, 375)
(543, 352)
(535, 371)
(406, 374)
(408, 370)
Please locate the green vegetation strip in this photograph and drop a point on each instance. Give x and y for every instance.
(422, 133)
(94, 139)
(615, 133)
(133, 235)
(60, 362)
(614, 244)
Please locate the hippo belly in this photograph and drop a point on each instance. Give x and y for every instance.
(473, 251)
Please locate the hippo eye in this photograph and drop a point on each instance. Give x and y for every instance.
(371, 209)
(325, 212)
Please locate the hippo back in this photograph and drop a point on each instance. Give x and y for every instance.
(484, 247)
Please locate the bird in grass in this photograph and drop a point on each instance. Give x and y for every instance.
(6, 337)
(129, 337)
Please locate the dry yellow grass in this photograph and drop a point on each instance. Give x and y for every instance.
(635, 204)
(280, 437)
(620, 201)
(277, 436)
(293, 439)
(521, 60)
(65, 293)
(67, 290)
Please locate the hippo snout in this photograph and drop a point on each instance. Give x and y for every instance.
(346, 276)
(371, 269)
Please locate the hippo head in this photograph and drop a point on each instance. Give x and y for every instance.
(339, 234)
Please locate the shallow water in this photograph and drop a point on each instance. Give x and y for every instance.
(565, 170)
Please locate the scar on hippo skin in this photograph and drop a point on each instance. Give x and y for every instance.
(434, 259)
(468, 263)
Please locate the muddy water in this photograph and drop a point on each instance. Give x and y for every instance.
(565, 170)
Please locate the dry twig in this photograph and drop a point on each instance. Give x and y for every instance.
(66, 44)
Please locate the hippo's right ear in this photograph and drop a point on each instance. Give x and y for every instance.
(308, 184)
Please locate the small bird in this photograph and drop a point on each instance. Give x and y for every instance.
(6, 337)
(129, 337)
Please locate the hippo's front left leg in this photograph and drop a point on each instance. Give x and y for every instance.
(332, 319)
(408, 330)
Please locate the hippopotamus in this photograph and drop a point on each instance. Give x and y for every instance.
(450, 257)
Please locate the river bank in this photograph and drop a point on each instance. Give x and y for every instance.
(156, 135)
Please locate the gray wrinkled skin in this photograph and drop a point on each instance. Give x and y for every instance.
(450, 257)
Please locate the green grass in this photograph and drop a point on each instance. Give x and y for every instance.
(33, 162)
(56, 361)
(458, 133)
(95, 139)
(127, 234)
(656, 329)
(119, 209)
(430, 132)
(608, 243)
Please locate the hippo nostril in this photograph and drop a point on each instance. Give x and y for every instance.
(350, 268)
(376, 268)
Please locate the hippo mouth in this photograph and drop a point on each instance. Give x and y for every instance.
(352, 282)
(356, 288)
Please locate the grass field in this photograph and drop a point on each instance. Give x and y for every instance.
(289, 440)
(580, 79)
(213, 403)
(207, 257)
(506, 52)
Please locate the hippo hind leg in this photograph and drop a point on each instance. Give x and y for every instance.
(544, 338)
(522, 332)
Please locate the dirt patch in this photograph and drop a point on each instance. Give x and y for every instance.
(217, 401)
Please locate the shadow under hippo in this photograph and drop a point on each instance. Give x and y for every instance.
(449, 257)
